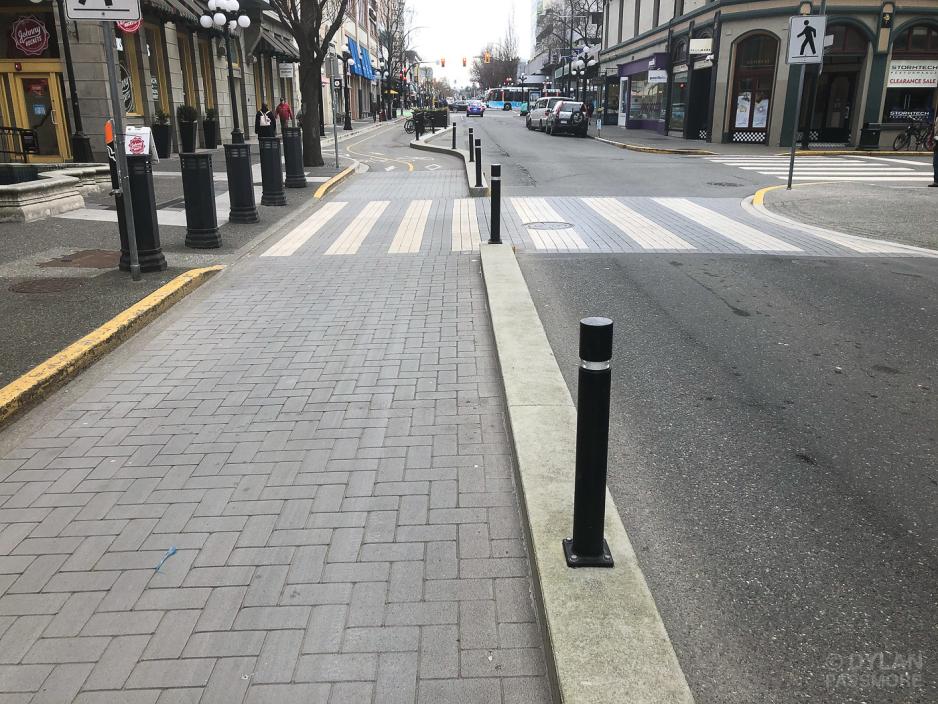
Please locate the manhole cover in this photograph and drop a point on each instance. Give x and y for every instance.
(548, 225)
(724, 184)
(50, 285)
(87, 259)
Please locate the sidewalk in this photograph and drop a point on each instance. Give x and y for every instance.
(314, 449)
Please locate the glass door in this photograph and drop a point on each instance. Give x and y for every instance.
(39, 108)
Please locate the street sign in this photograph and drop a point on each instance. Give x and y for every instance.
(805, 37)
(103, 10)
(336, 83)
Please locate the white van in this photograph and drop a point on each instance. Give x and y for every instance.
(537, 117)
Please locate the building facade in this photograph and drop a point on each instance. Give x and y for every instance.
(717, 70)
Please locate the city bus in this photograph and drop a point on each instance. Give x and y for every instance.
(495, 98)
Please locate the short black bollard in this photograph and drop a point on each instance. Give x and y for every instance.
(147, 228)
(293, 156)
(587, 547)
(495, 235)
(271, 172)
(240, 183)
(478, 163)
(454, 135)
(471, 149)
(198, 186)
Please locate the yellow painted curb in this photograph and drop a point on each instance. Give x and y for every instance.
(759, 197)
(60, 368)
(333, 182)
(656, 150)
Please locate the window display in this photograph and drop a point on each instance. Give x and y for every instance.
(646, 98)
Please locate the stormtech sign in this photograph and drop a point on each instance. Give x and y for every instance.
(909, 73)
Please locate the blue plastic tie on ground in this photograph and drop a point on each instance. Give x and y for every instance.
(169, 554)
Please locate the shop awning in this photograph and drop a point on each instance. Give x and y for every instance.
(366, 64)
(172, 9)
(272, 44)
(355, 68)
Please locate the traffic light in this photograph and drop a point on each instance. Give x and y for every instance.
(487, 58)
(464, 62)
(443, 62)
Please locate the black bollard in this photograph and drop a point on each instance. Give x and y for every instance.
(293, 156)
(587, 547)
(454, 135)
(147, 228)
(198, 186)
(471, 142)
(240, 183)
(271, 172)
(478, 163)
(495, 234)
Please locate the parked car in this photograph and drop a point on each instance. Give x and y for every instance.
(460, 105)
(475, 107)
(568, 116)
(537, 116)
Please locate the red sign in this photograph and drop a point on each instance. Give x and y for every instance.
(130, 27)
(135, 145)
(30, 36)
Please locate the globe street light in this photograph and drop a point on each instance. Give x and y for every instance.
(226, 15)
(347, 62)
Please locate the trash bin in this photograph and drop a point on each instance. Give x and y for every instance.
(869, 136)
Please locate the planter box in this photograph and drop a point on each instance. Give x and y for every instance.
(161, 137)
(210, 130)
(188, 134)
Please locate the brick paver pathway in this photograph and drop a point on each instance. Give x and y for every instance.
(322, 444)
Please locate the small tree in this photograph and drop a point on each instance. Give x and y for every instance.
(314, 23)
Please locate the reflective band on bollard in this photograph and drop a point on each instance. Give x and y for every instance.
(587, 547)
(478, 163)
(495, 235)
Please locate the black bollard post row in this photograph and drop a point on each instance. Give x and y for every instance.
(240, 183)
(198, 185)
(478, 161)
(588, 547)
(293, 156)
(495, 234)
(143, 198)
(454, 135)
(271, 172)
(471, 148)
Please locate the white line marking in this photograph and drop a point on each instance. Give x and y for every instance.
(390, 168)
(923, 164)
(861, 178)
(466, 233)
(648, 234)
(304, 231)
(532, 210)
(744, 235)
(354, 235)
(410, 232)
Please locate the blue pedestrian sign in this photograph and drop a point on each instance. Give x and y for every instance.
(806, 39)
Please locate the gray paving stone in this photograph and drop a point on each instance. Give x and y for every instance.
(62, 684)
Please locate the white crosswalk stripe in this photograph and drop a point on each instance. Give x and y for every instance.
(466, 233)
(647, 233)
(822, 168)
(301, 234)
(410, 232)
(741, 234)
(352, 237)
(537, 210)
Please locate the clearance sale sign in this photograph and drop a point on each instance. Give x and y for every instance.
(911, 73)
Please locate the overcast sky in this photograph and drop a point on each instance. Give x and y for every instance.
(454, 29)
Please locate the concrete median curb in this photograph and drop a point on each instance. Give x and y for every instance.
(334, 181)
(46, 377)
(462, 154)
(654, 150)
(605, 638)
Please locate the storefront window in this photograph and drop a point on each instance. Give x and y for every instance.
(912, 81)
(159, 88)
(207, 61)
(646, 99)
(28, 35)
(678, 99)
(130, 74)
(753, 80)
(612, 102)
(187, 62)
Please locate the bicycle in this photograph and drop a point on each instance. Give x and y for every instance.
(409, 125)
(919, 131)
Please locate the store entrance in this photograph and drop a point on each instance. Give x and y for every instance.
(698, 107)
(37, 105)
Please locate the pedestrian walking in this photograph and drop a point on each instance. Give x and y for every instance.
(589, 109)
(283, 112)
(932, 143)
(263, 122)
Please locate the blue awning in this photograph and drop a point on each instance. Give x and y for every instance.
(366, 63)
(355, 68)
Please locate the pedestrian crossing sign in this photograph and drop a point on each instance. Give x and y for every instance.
(806, 39)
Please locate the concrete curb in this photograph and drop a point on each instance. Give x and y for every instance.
(462, 154)
(334, 181)
(654, 150)
(44, 378)
(605, 639)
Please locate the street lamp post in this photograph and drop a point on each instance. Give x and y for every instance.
(575, 71)
(227, 16)
(347, 62)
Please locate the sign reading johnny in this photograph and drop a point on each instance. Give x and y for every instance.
(103, 10)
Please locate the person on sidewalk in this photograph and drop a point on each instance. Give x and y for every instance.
(932, 143)
(263, 122)
(284, 112)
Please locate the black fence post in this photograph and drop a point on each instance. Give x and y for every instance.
(495, 234)
(471, 142)
(271, 172)
(454, 135)
(587, 547)
(240, 183)
(478, 163)
(293, 156)
(198, 186)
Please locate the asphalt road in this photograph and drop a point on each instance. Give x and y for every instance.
(773, 442)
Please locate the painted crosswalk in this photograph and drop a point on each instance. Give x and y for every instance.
(567, 225)
(861, 169)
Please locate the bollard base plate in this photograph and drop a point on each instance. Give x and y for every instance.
(574, 560)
